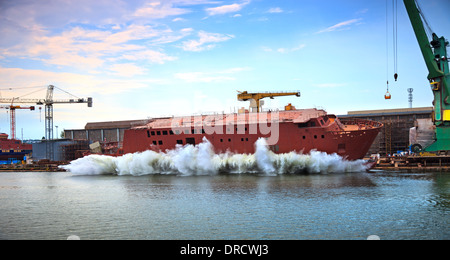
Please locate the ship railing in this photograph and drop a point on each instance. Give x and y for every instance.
(362, 125)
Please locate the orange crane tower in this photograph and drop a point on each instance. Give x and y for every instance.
(255, 98)
(13, 108)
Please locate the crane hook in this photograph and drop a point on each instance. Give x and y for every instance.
(387, 95)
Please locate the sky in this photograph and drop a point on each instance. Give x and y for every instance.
(150, 58)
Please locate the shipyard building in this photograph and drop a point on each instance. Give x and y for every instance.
(395, 135)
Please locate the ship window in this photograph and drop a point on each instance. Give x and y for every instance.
(165, 133)
(304, 137)
(323, 137)
(154, 142)
(221, 140)
(180, 142)
(302, 125)
(229, 140)
(158, 133)
(315, 137)
(193, 131)
(341, 148)
(177, 132)
(313, 124)
(171, 132)
(153, 133)
(160, 142)
(246, 139)
(190, 141)
(148, 133)
(275, 148)
(186, 132)
(242, 139)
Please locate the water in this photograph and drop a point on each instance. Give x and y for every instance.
(191, 160)
(225, 206)
(192, 193)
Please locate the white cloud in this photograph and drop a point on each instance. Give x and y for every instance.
(340, 26)
(225, 9)
(147, 55)
(89, 49)
(119, 32)
(275, 10)
(157, 10)
(178, 19)
(284, 50)
(76, 83)
(205, 42)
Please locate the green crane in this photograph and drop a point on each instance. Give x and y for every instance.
(436, 59)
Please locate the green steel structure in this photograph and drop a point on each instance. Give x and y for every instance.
(436, 59)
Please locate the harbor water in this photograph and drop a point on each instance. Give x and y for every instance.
(390, 205)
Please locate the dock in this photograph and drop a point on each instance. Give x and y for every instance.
(43, 166)
(415, 162)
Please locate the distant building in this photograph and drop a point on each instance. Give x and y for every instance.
(397, 123)
(106, 132)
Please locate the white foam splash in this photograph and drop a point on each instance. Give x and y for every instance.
(201, 160)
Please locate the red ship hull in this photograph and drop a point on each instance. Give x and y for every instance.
(286, 131)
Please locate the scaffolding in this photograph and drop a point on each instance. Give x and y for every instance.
(388, 137)
(394, 136)
(75, 150)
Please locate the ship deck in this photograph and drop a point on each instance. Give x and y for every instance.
(294, 116)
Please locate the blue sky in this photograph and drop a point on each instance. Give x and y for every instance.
(151, 58)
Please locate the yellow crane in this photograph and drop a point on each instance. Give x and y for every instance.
(255, 98)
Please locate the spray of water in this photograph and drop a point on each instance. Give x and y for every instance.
(201, 160)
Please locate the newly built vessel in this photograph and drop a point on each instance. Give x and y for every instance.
(286, 131)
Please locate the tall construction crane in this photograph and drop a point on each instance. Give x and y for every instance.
(12, 109)
(255, 98)
(49, 102)
(436, 59)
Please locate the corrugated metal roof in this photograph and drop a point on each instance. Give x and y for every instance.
(393, 111)
(115, 124)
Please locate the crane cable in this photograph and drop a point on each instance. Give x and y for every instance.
(394, 40)
(395, 36)
(387, 95)
(428, 28)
